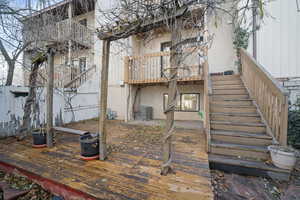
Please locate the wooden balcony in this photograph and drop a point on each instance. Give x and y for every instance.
(59, 32)
(154, 68)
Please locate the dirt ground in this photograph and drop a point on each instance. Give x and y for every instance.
(142, 136)
(35, 192)
(235, 187)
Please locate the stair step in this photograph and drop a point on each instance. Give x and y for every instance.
(232, 91)
(236, 117)
(225, 77)
(238, 126)
(233, 164)
(238, 102)
(240, 150)
(228, 87)
(216, 97)
(232, 109)
(227, 82)
(244, 138)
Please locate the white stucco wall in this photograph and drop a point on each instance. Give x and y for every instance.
(153, 96)
(221, 58)
(12, 109)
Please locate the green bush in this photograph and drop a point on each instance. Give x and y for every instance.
(294, 125)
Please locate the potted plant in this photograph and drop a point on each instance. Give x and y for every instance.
(39, 137)
(89, 144)
(283, 157)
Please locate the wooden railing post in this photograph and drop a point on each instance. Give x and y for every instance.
(206, 105)
(284, 122)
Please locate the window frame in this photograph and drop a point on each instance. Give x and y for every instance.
(80, 61)
(163, 45)
(180, 100)
(83, 22)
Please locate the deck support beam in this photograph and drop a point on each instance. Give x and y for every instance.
(103, 99)
(50, 83)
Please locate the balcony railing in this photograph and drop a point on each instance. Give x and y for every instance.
(59, 32)
(154, 68)
(67, 77)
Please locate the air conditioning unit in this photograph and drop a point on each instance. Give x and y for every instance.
(144, 113)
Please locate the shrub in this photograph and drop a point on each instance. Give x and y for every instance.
(294, 125)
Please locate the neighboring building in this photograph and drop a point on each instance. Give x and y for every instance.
(278, 44)
(71, 64)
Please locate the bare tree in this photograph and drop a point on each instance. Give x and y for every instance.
(11, 44)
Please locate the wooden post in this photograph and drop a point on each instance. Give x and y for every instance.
(284, 122)
(50, 82)
(103, 98)
(172, 94)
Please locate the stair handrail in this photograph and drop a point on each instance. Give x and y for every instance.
(270, 98)
(207, 94)
(74, 83)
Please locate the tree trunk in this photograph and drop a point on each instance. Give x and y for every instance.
(10, 73)
(172, 96)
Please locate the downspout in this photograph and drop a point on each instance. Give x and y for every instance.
(70, 15)
(254, 28)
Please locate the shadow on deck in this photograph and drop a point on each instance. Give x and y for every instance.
(132, 170)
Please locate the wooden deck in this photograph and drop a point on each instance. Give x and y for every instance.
(132, 170)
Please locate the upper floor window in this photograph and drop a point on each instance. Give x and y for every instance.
(83, 22)
(82, 64)
(189, 60)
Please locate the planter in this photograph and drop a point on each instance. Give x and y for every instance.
(283, 157)
(39, 138)
(89, 145)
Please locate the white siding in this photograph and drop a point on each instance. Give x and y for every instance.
(278, 48)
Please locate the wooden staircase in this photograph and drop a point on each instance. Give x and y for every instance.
(238, 133)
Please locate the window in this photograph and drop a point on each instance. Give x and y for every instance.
(165, 60)
(190, 102)
(82, 64)
(83, 22)
(187, 102)
(191, 59)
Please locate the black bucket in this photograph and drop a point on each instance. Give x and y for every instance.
(89, 145)
(39, 138)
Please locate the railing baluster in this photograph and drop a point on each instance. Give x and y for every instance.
(269, 96)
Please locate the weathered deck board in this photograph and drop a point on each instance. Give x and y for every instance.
(131, 173)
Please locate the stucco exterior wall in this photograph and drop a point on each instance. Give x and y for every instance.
(153, 96)
(221, 55)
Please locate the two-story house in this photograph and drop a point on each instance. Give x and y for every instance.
(242, 113)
